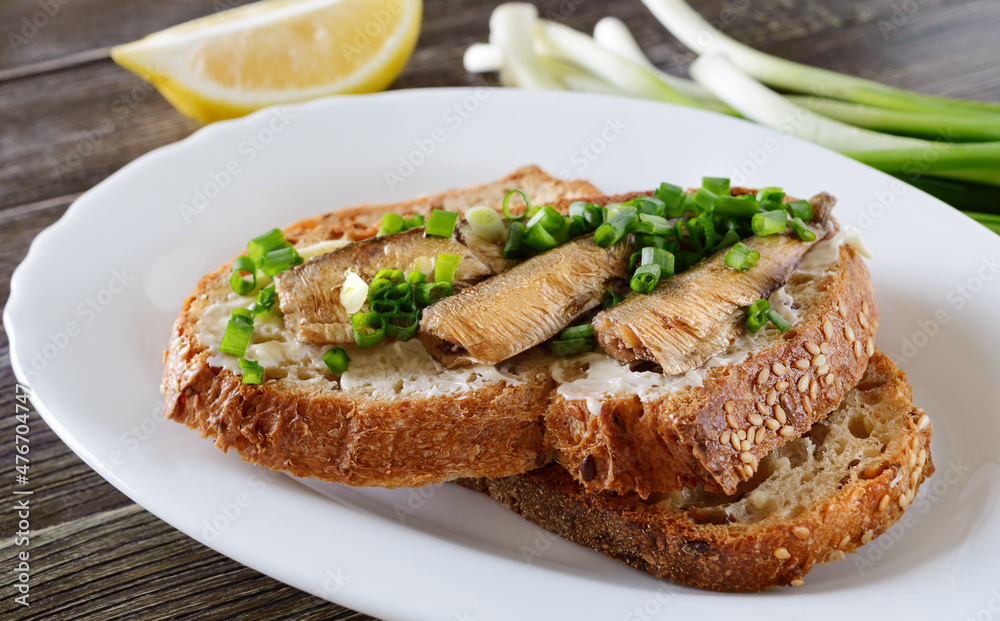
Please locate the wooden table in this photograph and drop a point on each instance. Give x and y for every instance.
(69, 117)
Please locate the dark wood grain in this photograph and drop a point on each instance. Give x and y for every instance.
(69, 118)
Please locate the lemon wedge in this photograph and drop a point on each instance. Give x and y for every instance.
(276, 51)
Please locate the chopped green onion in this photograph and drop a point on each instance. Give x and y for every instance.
(392, 223)
(445, 267)
(591, 214)
(513, 248)
(569, 347)
(660, 257)
(393, 276)
(736, 206)
(771, 194)
(546, 217)
(441, 223)
(705, 199)
(741, 258)
(730, 238)
(262, 244)
(716, 185)
(804, 232)
(379, 288)
(403, 326)
(415, 278)
(801, 210)
(611, 299)
(264, 302)
(757, 315)
(238, 333)
(778, 321)
(368, 329)
(577, 332)
(414, 221)
(506, 206)
(539, 239)
(771, 205)
(769, 222)
(673, 199)
(253, 373)
(399, 291)
(276, 261)
(385, 307)
(486, 224)
(237, 281)
(645, 278)
(427, 293)
(655, 225)
(337, 360)
(649, 205)
(614, 229)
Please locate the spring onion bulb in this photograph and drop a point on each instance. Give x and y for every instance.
(486, 224)
(613, 35)
(482, 58)
(574, 47)
(512, 27)
(353, 293)
(702, 38)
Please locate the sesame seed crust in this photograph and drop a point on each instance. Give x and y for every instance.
(671, 440)
(666, 541)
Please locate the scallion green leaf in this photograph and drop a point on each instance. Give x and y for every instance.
(393, 276)
(428, 293)
(391, 223)
(441, 223)
(568, 347)
(673, 199)
(801, 210)
(378, 288)
(276, 261)
(514, 246)
(741, 258)
(368, 329)
(506, 205)
(415, 278)
(414, 221)
(769, 222)
(645, 278)
(804, 232)
(716, 185)
(736, 206)
(403, 325)
(337, 360)
(657, 256)
(757, 315)
(445, 267)
(611, 299)
(705, 200)
(778, 321)
(262, 244)
(771, 193)
(539, 239)
(240, 284)
(266, 298)
(617, 227)
(253, 373)
(238, 332)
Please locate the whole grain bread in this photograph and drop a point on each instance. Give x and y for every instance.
(302, 421)
(813, 500)
(716, 434)
(304, 424)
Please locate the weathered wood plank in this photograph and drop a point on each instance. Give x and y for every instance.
(126, 564)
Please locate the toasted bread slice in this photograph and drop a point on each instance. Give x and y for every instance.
(620, 430)
(812, 500)
(399, 419)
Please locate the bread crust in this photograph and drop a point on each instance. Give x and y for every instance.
(341, 437)
(675, 440)
(666, 542)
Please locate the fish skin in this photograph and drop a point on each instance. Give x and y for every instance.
(309, 294)
(524, 306)
(690, 317)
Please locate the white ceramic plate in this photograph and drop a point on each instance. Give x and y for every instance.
(91, 308)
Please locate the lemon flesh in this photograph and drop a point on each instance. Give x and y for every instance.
(276, 51)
